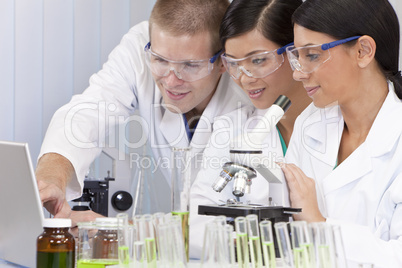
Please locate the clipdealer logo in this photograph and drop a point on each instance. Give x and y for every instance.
(98, 125)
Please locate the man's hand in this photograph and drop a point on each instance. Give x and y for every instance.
(302, 194)
(53, 173)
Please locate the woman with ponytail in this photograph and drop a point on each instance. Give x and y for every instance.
(344, 162)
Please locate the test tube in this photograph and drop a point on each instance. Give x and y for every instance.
(139, 254)
(221, 220)
(228, 229)
(180, 194)
(254, 239)
(180, 254)
(267, 241)
(242, 242)
(165, 245)
(339, 248)
(123, 240)
(323, 243)
(285, 251)
(139, 242)
(302, 246)
(222, 240)
(158, 218)
(209, 255)
(150, 245)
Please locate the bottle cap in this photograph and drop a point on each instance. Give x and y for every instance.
(57, 223)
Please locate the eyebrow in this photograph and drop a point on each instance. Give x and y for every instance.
(310, 44)
(249, 54)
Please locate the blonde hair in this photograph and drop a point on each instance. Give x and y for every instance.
(188, 17)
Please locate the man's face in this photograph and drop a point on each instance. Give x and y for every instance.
(181, 96)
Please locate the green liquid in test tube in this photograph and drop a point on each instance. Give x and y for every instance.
(124, 240)
(300, 243)
(268, 251)
(254, 239)
(181, 181)
(150, 245)
(150, 248)
(267, 241)
(324, 256)
(242, 242)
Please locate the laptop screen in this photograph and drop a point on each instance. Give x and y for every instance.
(21, 212)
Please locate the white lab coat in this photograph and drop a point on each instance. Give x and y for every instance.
(125, 84)
(215, 155)
(364, 193)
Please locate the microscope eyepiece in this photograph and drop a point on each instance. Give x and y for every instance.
(283, 102)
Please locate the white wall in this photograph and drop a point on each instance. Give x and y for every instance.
(48, 50)
(397, 4)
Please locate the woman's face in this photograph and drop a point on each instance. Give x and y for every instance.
(262, 91)
(334, 80)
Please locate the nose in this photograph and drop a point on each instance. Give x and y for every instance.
(172, 79)
(245, 78)
(299, 76)
(244, 74)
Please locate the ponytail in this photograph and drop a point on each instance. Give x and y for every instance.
(396, 78)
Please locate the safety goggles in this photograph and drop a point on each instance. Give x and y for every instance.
(307, 59)
(186, 70)
(257, 66)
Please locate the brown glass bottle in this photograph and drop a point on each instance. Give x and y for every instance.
(55, 246)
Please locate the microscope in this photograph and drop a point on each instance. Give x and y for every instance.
(95, 196)
(247, 159)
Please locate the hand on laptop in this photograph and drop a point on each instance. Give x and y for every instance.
(52, 174)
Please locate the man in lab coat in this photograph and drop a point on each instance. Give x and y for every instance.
(170, 71)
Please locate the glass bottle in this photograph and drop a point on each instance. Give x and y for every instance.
(55, 246)
(105, 240)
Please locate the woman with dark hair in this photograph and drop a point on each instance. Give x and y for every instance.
(345, 153)
(254, 35)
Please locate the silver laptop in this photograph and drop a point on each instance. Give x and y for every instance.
(21, 212)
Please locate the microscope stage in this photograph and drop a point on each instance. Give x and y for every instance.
(235, 210)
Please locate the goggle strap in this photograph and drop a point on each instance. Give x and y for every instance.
(338, 42)
(214, 57)
(281, 50)
(147, 46)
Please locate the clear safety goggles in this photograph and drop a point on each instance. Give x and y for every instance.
(186, 70)
(257, 66)
(307, 59)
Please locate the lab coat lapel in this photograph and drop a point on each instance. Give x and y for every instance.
(204, 127)
(353, 168)
(322, 135)
(201, 135)
(173, 129)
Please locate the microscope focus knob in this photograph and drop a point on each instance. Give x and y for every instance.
(122, 200)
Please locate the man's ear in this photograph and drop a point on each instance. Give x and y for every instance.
(366, 47)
